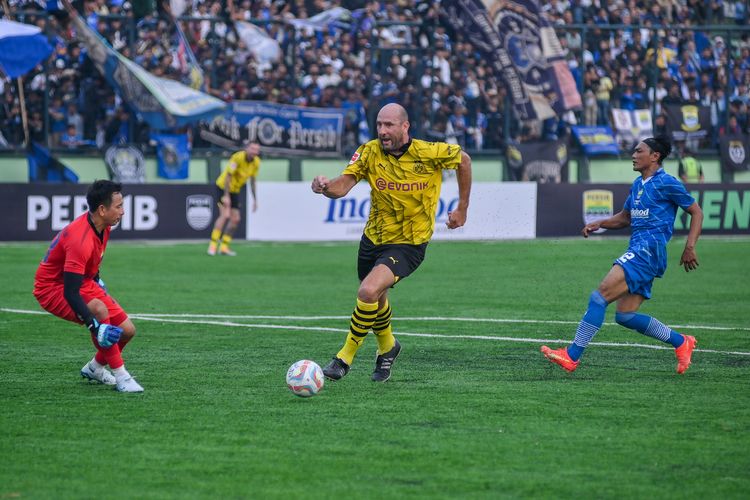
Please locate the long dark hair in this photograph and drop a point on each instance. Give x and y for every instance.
(659, 144)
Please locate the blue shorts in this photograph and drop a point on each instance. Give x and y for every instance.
(641, 265)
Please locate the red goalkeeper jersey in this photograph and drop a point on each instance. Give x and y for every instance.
(76, 249)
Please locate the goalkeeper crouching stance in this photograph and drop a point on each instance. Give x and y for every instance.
(405, 177)
(67, 284)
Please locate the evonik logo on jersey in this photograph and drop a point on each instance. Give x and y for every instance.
(383, 185)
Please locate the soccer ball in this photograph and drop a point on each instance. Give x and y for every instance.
(305, 378)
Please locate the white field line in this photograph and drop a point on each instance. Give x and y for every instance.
(188, 319)
(425, 318)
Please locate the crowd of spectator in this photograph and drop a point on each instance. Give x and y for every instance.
(631, 55)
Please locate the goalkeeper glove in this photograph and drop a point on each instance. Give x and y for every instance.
(106, 335)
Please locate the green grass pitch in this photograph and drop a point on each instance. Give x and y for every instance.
(473, 410)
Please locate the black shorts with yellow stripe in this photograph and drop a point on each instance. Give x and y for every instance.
(401, 259)
(234, 198)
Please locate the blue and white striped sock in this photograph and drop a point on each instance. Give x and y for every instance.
(589, 325)
(649, 326)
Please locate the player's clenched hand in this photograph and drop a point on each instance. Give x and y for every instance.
(689, 259)
(320, 184)
(106, 335)
(590, 228)
(456, 218)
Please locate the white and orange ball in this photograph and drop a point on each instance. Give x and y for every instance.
(305, 378)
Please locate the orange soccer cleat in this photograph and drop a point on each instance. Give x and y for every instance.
(560, 357)
(684, 352)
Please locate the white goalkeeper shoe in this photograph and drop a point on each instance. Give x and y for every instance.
(128, 385)
(101, 376)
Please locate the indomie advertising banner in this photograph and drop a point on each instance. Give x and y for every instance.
(290, 211)
(278, 128)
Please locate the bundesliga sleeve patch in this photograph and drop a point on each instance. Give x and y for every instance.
(355, 157)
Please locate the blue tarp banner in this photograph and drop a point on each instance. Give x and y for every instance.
(596, 140)
(172, 156)
(160, 102)
(22, 47)
(45, 167)
(278, 128)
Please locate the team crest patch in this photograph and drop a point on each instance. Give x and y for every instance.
(690, 120)
(355, 157)
(199, 211)
(737, 152)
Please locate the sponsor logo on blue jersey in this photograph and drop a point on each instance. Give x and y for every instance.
(639, 213)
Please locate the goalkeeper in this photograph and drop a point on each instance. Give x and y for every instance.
(67, 284)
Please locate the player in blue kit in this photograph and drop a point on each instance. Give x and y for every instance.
(650, 210)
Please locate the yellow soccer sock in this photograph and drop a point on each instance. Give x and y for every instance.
(362, 319)
(225, 241)
(382, 329)
(215, 235)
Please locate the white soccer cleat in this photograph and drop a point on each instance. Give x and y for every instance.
(211, 249)
(128, 385)
(101, 376)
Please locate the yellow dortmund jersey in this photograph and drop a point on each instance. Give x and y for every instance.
(240, 173)
(405, 191)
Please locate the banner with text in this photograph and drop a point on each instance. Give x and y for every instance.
(278, 128)
(595, 140)
(152, 211)
(688, 122)
(291, 212)
(517, 40)
(564, 209)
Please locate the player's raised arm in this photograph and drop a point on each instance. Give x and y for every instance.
(335, 188)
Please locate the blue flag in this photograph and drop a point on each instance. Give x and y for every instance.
(45, 167)
(596, 140)
(172, 155)
(160, 102)
(22, 47)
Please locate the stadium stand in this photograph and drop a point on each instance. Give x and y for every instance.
(627, 55)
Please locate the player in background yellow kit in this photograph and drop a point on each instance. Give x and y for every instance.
(243, 165)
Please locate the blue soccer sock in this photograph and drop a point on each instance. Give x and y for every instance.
(589, 325)
(649, 326)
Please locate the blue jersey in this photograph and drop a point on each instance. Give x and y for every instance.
(653, 207)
